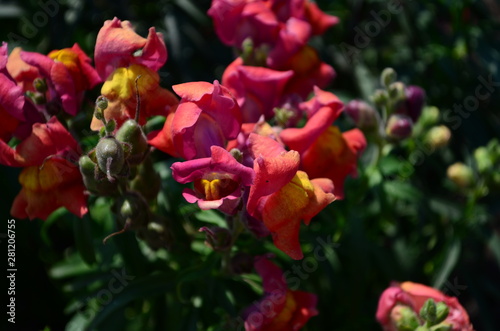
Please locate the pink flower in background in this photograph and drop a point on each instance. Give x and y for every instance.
(118, 45)
(206, 116)
(414, 295)
(218, 180)
(281, 309)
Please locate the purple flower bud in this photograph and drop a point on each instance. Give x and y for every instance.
(415, 98)
(399, 127)
(363, 115)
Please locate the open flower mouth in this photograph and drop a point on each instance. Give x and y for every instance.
(215, 186)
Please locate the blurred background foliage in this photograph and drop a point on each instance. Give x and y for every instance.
(401, 220)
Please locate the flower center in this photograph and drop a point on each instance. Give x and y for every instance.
(215, 188)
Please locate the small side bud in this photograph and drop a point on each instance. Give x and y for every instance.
(429, 116)
(364, 116)
(483, 160)
(380, 98)
(40, 85)
(110, 126)
(399, 127)
(218, 238)
(415, 99)
(438, 136)
(460, 174)
(101, 103)
(404, 318)
(442, 312)
(237, 154)
(131, 133)
(388, 76)
(428, 312)
(397, 91)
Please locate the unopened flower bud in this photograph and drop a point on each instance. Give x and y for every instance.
(241, 263)
(237, 154)
(397, 91)
(460, 174)
(399, 127)
(430, 116)
(218, 238)
(40, 85)
(483, 159)
(404, 318)
(110, 126)
(415, 99)
(98, 187)
(442, 312)
(110, 156)
(388, 76)
(380, 98)
(101, 103)
(364, 116)
(146, 181)
(438, 136)
(428, 311)
(131, 208)
(131, 133)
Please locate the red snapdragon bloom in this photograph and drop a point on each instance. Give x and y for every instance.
(257, 89)
(282, 196)
(207, 115)
(17, 114)
(218, 180)
(49, 179)
(325, 152)
(67, 73)
(118, 45)
(414, 295)
(281, 309)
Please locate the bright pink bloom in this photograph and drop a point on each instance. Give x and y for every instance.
(118, 45)
(325, 152)
(281, 309)
(50, 178)
(257, 89)
(218, 180)
(207, 115)
(67, 73)
(414, 295)
(17, 115)
(282, 196)
(237, 20)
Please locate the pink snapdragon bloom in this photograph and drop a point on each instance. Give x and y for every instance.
(67, 73)
(237, 20)
(218, 180)
(17, 114)
(325, 152)
(207, 115)
(414, 295)
(281, 195)
(257, 89)
(118, 45)
(50, 178)
(281, 309)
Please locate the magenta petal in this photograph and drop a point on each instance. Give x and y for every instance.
(272, 275)
(154, 54)
(11, 97)
(292, 38)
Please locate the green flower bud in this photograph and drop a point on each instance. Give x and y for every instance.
(110, 157)
(388, 76)
(237, 154)
(397, 91)
(428, 312)
(404, 318)
(132, 211)
(40, 85)
(101, 103)
(438, 136)
(430, 116)
(483, 160)
(110, 126)
(95, 186)
(131, 133)
(146, 181)
(442, 312)
(380, 98)
(460, 174)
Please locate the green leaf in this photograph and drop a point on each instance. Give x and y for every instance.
(83, 238)
(401, 190)
(145, 287)
(447, 266)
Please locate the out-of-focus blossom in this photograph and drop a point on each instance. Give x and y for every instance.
(281, 309)
(399, 127)
(17, 114)
(282, 196)
(413, 103)
(218, 180)
(50, 179)
(414, 295)
(257, 89)
(207, 115)
(238, 20)
(120, 91)
(118, 45)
